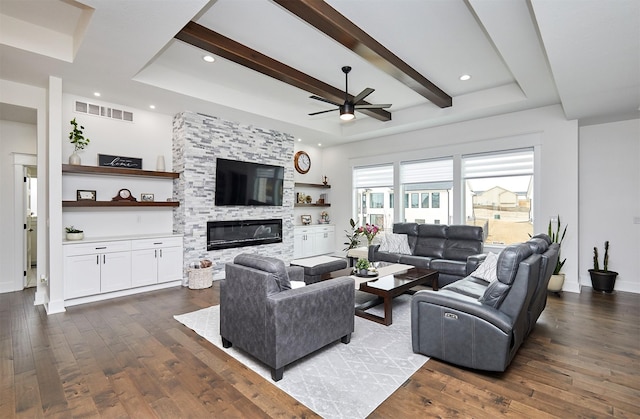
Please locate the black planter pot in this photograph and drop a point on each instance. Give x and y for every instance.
(603, 281)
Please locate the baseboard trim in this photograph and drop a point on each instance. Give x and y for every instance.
(121, 293)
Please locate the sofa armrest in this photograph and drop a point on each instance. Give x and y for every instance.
(296, 273)
(373, 250)
(453, 300)
(305, 319)
(474, 261)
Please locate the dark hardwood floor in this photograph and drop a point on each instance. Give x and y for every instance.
(128, 357)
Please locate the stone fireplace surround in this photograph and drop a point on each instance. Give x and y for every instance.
(197, 141)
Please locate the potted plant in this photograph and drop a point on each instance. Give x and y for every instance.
(79, 141)
(362, 267)
(73, 233)
(353, 236)
(557, 279)
(602, 280)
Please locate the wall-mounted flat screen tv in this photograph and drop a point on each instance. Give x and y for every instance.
(246, 183)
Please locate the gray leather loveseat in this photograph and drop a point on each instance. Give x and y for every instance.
(479, 324)
(454, 250)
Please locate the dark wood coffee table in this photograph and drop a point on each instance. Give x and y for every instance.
(387, 287)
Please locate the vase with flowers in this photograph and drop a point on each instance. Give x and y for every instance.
(324, 217)
(369, 231)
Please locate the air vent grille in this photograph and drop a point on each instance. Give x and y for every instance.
(103, 111)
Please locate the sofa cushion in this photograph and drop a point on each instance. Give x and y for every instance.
(494, 294)
(468, 286)
(487, 269)
(411, 230)
(509, 259)
(395, 243)
(387, 257)
(275, 267)
(538, 245)
(417, 261)
(452, 267)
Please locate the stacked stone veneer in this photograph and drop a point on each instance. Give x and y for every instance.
(197, 141)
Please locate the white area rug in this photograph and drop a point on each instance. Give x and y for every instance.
(338, 381)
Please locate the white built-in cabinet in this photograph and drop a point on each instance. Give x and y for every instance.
(313, 240)
(95, 268)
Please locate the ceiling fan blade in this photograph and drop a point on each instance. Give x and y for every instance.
(318, 113)
(366, 92)
(380, 106)
(325, 100)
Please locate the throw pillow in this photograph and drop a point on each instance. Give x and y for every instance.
(487, 269)
(395, 243)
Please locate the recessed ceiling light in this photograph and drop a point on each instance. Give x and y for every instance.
(319, 144)
(152, 106)
(96, 94)
(208, 58)
(465, 77)
(299, 139)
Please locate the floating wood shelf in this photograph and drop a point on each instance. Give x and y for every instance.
(95, 204)
(312, 185)
(116, 171)
(312, 205)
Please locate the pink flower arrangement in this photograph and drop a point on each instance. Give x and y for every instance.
(369, 231)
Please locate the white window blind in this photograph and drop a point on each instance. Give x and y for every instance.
(426, 171)
(511, 163)
(373, 176)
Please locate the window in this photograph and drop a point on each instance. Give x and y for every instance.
(498, 194)
(376, 200)
(424, 200)
(435, 200)
(391, 200)
(431, 183)
(374, 184)
(415, 199)
(406, 200)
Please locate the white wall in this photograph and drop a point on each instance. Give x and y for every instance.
(610, 200)
(147, 137)
(15, 137)
(556, 185)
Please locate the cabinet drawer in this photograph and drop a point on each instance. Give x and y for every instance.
(97, 247)
(156, 243)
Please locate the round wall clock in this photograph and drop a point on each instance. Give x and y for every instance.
(302, 162)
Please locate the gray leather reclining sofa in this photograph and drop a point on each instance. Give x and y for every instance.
(454, 250)
(481, 325)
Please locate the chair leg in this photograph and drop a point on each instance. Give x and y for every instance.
(346, 338)
(276, 373)
(226, 343)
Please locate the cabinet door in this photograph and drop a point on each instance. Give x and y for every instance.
(81, 276)
(170, 264)
(144, 267)
(322, 242)
(115, 271)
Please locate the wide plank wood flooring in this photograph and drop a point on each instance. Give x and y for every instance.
(128, 357)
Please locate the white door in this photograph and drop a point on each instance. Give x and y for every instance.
(144, 267)
(170, 264)
(81, 275)
(115, 271)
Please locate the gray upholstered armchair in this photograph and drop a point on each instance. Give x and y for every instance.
(263, 316)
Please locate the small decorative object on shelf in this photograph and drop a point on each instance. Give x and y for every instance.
(79, 141)
(119, 161)
(160, 167)
(85, 195)
(305, 219)
(73, 233)
(147, 197)
(324, 218)
(301, 198)
(325, 181)
(309, 199)
(124, 195)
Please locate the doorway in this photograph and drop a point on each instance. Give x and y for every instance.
(31, 223)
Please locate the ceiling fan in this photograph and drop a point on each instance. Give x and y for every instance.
(348, 108)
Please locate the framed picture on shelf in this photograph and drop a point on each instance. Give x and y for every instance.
(306, 219)
(84, 195)
(146, 197)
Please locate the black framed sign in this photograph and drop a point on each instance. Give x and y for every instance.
(119, 161)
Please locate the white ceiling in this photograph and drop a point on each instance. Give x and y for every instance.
(582, 54)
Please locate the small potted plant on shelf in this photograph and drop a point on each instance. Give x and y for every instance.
(362, 267)
(74, 234)
(79, 141)
(602, 280)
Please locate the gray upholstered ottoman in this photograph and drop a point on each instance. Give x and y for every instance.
(317, 266)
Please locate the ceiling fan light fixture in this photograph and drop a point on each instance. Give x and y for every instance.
(347, 112)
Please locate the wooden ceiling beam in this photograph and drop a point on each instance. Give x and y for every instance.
(325, 18)
(208, 40)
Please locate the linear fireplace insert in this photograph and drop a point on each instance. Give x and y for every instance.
(240, 233)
